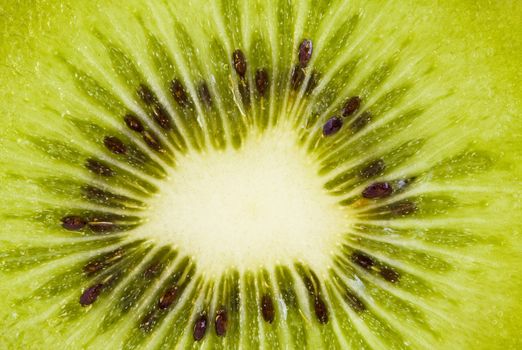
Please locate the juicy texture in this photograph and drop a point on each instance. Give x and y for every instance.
(88, 138)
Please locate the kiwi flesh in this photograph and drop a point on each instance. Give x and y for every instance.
(243, 175)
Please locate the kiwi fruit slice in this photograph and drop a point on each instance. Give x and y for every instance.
(260, 174)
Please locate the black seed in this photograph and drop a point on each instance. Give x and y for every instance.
(298, 76)
(312, 82)
(152, 142)
(161, 116)
(99, 225)
(267, 308)
(354, 301)
(146, 94)
(378, 190)
(362, 259)
(133, 123)
(363, 120)
(351, 106)
(115, 145)
(373, 169)
(403, 208)
(98, 168)
(179, 94)
(168, 297)
(239, 62)
(262, 81)
(73, 222)
(389, 274)
(320, 310)
(90, 295)
(200, 327)
(244, 91)
(305, 52)
(332, 126)
(204, 94)
(221, 321)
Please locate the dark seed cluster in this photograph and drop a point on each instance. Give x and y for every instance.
(335, 123)
(371, 264)
(99, 168)
(150, 139)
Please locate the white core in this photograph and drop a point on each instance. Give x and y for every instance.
(258, 206)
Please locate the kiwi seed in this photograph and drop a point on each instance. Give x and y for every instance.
(168, 297)
(389, 274)
(99, 168)
(363, 260)
(351, 106)
(115, 145)
(267, 308)
(134, 123)
(378, 190)
(239, 62)
(332, 126)
(200, 327)
(221, 321)
(153, 142)
(305, 52)
(90, 295)
(73, 223)
(320, 310)
(179, 94)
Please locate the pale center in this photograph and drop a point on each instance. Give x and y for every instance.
(261, 205)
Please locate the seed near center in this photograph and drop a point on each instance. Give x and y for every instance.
(258, 206)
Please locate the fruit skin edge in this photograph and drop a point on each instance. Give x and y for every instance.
(504, 66)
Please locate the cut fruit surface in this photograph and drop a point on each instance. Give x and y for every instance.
(260, 174)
